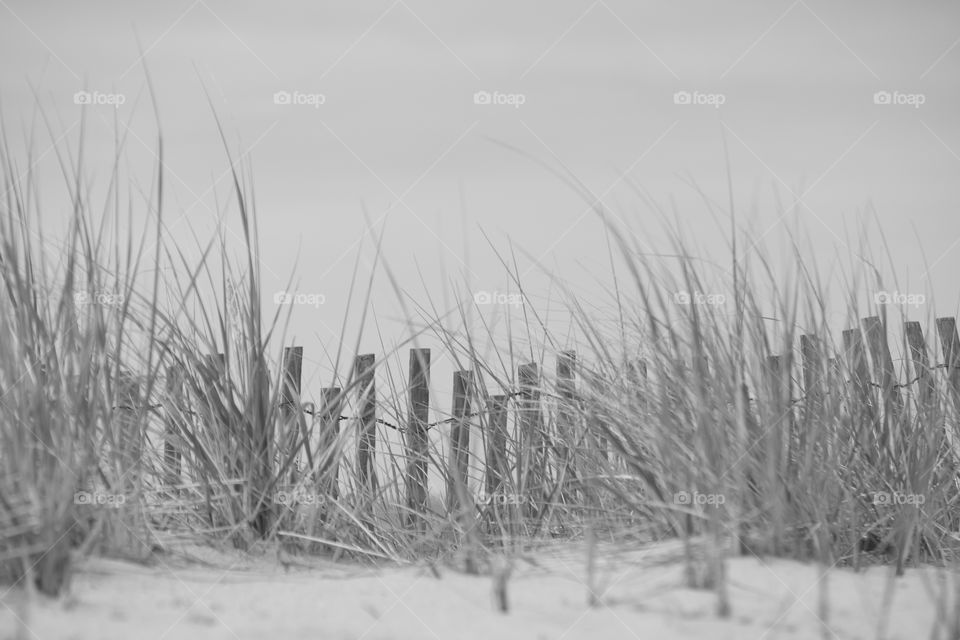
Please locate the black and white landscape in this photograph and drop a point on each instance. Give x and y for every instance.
(413, 319)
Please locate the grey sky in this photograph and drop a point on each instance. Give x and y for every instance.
(598, 82)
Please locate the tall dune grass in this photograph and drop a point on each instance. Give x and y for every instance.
(702, 435)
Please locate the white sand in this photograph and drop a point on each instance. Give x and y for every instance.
(642, 597)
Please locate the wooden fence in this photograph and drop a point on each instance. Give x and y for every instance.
(864, 363)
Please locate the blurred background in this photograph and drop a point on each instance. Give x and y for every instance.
(437, 131)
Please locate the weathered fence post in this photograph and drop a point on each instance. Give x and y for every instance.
(291, 386)
(861, 394)
(927, 406)
(811, 358)
(876, 334)
(367, 442)
(780, 389)
(950, 345)
(328, 445)
(213, 371)
(834, 370)
(811, 355)
(128, 425)
(566, 423)
(416, 440)
(921, 363)
(290, 416)
(530, 468)
(217, 364)
(173, 416)
(779, 415)
(259, 452)
(130, 526)
(497, 468)
(457, 494)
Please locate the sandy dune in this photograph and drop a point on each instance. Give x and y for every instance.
(642, 597)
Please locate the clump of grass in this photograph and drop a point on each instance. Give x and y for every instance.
(671, 419)
(768, 428)
(71, 371)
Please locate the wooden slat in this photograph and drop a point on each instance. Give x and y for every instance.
(363, 369)
(416, 441)
(458, 482)
(530, 468)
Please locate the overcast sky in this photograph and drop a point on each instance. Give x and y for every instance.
(390, 121)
